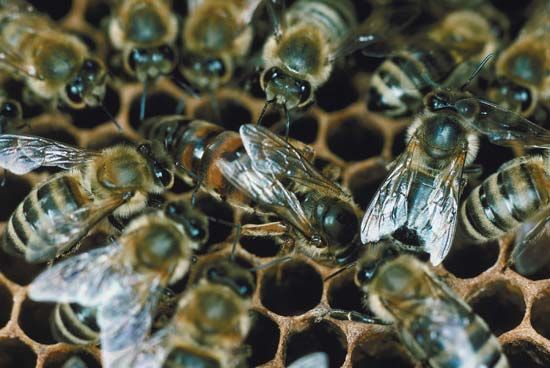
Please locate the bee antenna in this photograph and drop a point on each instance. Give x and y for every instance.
(340, 270)
(234, 246)
(264, 109)
(111, 117)
(271, 263)
(477, 71)
(186, 87)
(216, 107)
(287, 125)
(143, 101)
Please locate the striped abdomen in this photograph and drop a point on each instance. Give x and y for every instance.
(506, 199)
(74, 324)
(334, 17)
(58, 197)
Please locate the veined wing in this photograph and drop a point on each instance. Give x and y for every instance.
(388, 210)
(266, 190)
(314, 360)
(272, 155)
(530, 253)
(21, 154)
(436, 223)
(153, 352)
(83, 279)
(59, 229)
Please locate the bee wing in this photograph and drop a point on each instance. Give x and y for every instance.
(80, 279)
(153, 351)
(377, 36)
(21, 154)
(266, 190)
(56, 231)
(276, 12)
(248, 10)
(530, 253)
(272, 155)
(314, 360)
(125, 318)
(503, 126)
(388, 210)
(74, 362)
(436, 223)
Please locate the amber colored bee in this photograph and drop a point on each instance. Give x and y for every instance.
(54, 64)
(216, 37)
(250, 168)
(58, 213)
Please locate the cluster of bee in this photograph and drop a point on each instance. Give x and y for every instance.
(113, 294)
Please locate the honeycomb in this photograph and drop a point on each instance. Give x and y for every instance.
(290, 295)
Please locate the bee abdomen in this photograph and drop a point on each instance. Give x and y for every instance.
(59, 196)
(505, 200)
(74, 324)
(334, 17)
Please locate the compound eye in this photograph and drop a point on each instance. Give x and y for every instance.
(163, 176)
(244, 288)
(10, 110)
(271, 74)
(305, 91)
(215, 273)
(136, 56)
(466, 108)
(75, 92)
(167, 53)
(144, 149)
(196, 231)
(437, 101)
(366, 273)
(340, 223)
(91, 66)
(216, 67)
(523, 95)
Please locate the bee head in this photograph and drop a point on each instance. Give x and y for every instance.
(88, 87)
(512, 95)
(10, 115)
(228, 273)
(284, 89)
(160, 164)
(376, 256)
(150, 63)
(195, 224)
(207, 72)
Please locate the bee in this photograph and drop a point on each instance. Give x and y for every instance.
(74, 362)
(313, 360)
(216, 37)
(11, 116)
(434, 323)
(248, 170)
(522, 70)
(399, 84)
(210, 324)
(55, 65)
(58, 213)
(417, 203)
(124, 279)
(518, 193)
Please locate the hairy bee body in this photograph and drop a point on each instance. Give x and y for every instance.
(518, 191)
(400, 82)
(58, 213)
(54, 64)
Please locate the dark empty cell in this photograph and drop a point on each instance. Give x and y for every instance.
(354, 141)
(6, 303)
(263, 338)
(501, 305)
(525, 354)
(109, 140)
(491, 157)
(324, 337)
(291, 288)
(17, 269)
(304, 129)
(383, 351)
(12, 193)
(15, 353)
(231, 112)
(96, 12)
(90, 117)
(365, 183)
(218, 232)
(34, 320)
(271, 117)
(57, 359)
(56, 133)
(362, 9)
(261, 246)
(337, 93)
(539, 315)
(156, 104)
(55, 9)
(399, 144)
(470, 259)
(343, 293)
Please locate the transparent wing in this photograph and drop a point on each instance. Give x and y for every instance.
(276, 12)
(57, 230)
(192, 5)
(74, 362)
(266, 190)
(388, 210)
(436, 223)
(152, 352)
(313, 360)
(82, 279)
(503, 126)
(272, 155)
(531, 252)
(125, 318)
(248, 10)
(21, 154)
(378, 35)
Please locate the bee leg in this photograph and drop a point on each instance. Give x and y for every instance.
(3, 178)
(276, 228)
(353, 316)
